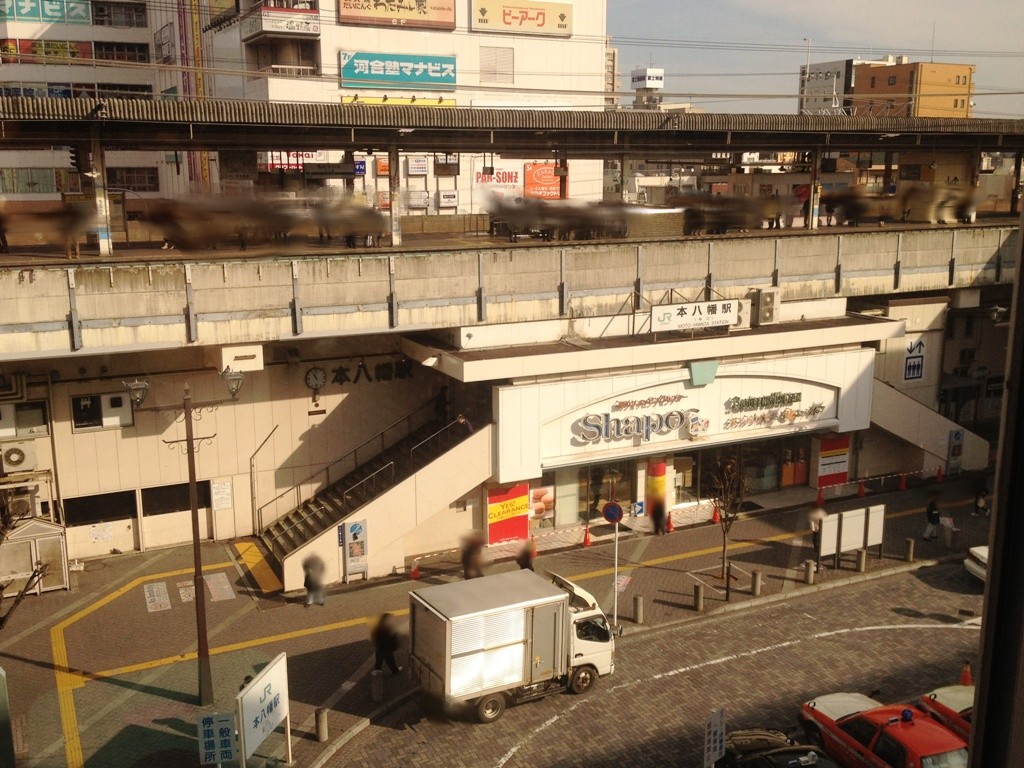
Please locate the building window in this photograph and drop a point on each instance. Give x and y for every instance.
(121, 51)
(123, 91)
(891, 80)
(37, 181)
(166, 499)
(23, 419)
(163, 43)
(89, 412)
(118, 14)
(134, 179)
(497, 65)
(872, 82)
(101, 508)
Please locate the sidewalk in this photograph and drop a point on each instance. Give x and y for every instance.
(130, 684)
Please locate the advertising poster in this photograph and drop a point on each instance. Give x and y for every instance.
(532, 18)
(383, 165)
(508, 513)
(417, 14)
(540, 181)
(542, 504)
(352, 538)
(834, 460)
(361, 69)
(417, 165)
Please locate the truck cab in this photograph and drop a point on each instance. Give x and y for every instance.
(591, 636)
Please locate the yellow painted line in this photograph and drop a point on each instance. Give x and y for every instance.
(240, 646)
(68, 679)
(251, 557)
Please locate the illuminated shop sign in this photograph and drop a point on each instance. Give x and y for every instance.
(603, 426)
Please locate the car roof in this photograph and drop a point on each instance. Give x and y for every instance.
(923, 734)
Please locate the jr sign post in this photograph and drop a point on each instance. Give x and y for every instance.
(262, 705)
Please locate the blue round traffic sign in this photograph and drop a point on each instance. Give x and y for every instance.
(612, 512)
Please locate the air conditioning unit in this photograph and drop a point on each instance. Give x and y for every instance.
(22, 503)
(18, 457)
(764, 307)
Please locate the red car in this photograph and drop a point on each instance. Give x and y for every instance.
(952, 706)
(859, 732)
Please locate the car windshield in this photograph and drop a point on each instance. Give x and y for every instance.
(955, 759)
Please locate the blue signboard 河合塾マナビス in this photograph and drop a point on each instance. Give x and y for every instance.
(363, 69)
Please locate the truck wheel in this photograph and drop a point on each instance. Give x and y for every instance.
(582, 679)
(490, 708)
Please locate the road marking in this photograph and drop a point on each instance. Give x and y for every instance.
(972, 625)
(258, 567)
(68, 679)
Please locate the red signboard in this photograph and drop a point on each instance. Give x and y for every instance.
(508, 513)
(834, 460)
(540, 181)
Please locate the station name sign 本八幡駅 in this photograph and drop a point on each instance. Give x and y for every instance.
(361, 69)
(698, 314)
(424, 14)
(532, 18)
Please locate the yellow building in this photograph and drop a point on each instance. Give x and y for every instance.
(920, 89)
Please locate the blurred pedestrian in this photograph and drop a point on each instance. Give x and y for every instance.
(4, 247)
(816, 517)
(981, 502)
(441, 406)
(658, 517)
(466, 423)
(526, 555)
(931, 514)
(314, 568)
(473, 556)
(385, 642)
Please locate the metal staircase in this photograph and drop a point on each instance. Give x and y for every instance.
(396, 453)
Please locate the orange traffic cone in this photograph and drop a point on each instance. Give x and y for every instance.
(965, 674)
(716, 517)
(586, 536)
(938, 476)
(669, 528)
(821, 496)
(903, 482)
(860, 488)
(414, 574)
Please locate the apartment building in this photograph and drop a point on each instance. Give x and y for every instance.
(918, 89)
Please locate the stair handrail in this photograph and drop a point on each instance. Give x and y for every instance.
(447, 428)
(351, 454)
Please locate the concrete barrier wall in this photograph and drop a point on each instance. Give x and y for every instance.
(120, 306)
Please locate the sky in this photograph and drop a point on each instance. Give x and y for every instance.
(745, 55)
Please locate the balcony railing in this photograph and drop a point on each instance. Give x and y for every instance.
(284, 70)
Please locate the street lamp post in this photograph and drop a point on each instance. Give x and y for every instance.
(137, 391)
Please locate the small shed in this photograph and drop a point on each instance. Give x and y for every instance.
(35, 540)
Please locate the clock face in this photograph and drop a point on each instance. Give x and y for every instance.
(316, 378)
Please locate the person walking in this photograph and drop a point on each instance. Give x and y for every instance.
(658, 517)
(385, 643)
(931, 513)
(472, 556)
(525, 557)
(313, 567)
(981, 502)
(816, 517)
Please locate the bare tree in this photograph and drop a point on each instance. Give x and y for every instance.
(729, 488)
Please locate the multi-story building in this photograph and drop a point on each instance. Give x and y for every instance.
(918, 89)
(826, 86)
(495, 54)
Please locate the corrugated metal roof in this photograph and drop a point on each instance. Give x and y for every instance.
(407, 116)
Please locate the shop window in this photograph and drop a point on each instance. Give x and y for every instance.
(23, 419)
(134, 179)
(30, 181)
(123, 91)
(166, 499)
(90, 412)
(102, 508)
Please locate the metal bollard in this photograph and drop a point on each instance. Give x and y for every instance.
(638, 609)
(755, 583)
(809, 572)
(698, 598)
(862, 560)
(377, 685)
(909, 556)
(321, 724)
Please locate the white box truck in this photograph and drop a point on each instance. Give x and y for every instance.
(506, 638)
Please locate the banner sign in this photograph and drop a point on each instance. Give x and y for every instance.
(540, 181)
(417, 165)
(448, 198)
(360, 69)
(352, 537)
(698, 314)
(508, 513)
(423, 14)
(281, 21)
(532, 18)
(46, 11)
(418, 198)
(834, 460)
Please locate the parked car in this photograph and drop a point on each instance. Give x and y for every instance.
(764, 748)
(858, 731)
(976, 562)
(952, 706)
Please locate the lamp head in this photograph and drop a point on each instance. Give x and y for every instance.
(137, 391)
(233, 380)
